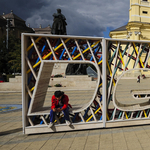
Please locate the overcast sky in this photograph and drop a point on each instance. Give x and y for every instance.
(84, 17)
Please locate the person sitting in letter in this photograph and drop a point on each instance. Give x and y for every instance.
(59, 103)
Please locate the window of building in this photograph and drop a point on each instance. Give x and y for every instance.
(145, 0)
(144, 12)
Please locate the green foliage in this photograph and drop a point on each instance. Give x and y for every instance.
(57, 76)
(3, 55)
(15, 54)
(58, 85)
(10, 60)
(9, 76)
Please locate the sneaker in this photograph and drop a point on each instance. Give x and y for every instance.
(50, 124)
(68, 122)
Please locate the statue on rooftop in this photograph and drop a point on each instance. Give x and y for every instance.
(59, 24)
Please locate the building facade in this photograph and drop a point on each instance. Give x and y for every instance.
(15, 23)
(18, 26)
(3, 23)
(41, 30)
(137, 28)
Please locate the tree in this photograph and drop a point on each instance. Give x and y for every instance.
(3, 55)
(10, 59)
(15, 54)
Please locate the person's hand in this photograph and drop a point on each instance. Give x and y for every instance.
(59, 109)
(54, 109)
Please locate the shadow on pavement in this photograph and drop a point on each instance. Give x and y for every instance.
(10, 131)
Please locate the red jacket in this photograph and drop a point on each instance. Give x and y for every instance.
(55, 102)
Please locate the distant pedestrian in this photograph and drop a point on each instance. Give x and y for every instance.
(138, 79)
(143, 76)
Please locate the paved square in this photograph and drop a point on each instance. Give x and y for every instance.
(12, 138)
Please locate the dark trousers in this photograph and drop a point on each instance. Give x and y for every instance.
(65, 111)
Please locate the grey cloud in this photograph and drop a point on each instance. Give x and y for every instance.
(21, 8)
(84, 17)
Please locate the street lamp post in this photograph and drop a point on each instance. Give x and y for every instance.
(7, 30)
(7, 37)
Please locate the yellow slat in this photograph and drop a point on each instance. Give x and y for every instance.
(100, 62)
(32, 43)
(120, 55)
(126, 115)
(92, 115)
(85, 50)
(110, 73)
(107, 116)
(100, 85)
(59, 118)
(137, 54)
(32, 89)
(145, 114)
(109, 68)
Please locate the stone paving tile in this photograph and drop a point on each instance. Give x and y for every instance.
(35, 145)
(13, 142)
(8, 126)
(133, 146)
(50, 144)
(66, 141)
(24, 144)
(79, 140)
(93, 141)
